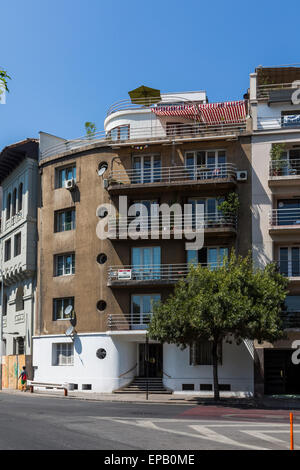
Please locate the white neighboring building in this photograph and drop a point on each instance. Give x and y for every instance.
(19, 181)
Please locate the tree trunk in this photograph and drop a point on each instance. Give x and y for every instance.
(215, 370)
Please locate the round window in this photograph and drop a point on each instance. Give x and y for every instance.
(101, 353)
(101, 305)
(102, 258)
(102, 212)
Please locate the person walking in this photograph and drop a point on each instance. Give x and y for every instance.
(23, 376)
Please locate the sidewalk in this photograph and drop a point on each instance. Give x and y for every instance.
(272, 402)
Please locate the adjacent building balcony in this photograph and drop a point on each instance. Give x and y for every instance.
(283, 221)
(291, 319)
(172, 226)
(284, 172)
(224, 175)
(283, 122)
(275, 92)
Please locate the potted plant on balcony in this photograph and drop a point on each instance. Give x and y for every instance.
(229, 209)
(278, 162)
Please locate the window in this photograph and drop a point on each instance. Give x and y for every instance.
(64, 220)
(201, 354)
(289, 261)
(20, 345)
(211, 257)
(17, 244)
(290, 118)
(142, 308)
(292, 303)
(120, 132)
(206, 164)
(146, 169)
(63, 354)
(64, 264)
(65, 174)
(211, 214)
(20, 197)
(8, 206)
(59, 307)
(19, 299)
(14, 202)
(146, 262)
(7, 250)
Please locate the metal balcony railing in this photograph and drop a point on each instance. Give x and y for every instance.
(174, 174)
(161, 224)
(285, 168)
(148, 134)
(291, 319)
(263, 91)
(129, 321)
(285, 217)
(155, 272)
(289, 268)
(291, 121)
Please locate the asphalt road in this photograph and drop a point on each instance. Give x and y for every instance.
(43, 423)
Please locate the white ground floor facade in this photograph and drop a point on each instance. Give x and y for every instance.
(104, 362)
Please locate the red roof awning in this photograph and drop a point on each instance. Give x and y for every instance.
(211, 113)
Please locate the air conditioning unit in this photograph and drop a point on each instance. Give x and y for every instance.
(241, 175)
(70, 184)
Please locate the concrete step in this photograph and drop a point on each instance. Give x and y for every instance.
(139, 385)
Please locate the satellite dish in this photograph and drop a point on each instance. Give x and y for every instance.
(69, 331)
(68, 310)
(102, 168)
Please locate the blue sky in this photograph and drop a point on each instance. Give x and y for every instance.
(71, 59)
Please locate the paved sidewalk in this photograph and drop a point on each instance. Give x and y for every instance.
(284, 403)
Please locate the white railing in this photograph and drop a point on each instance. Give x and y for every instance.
(150, 133)
(173, 174)
(263, 91)
(154, 272)
(129, 321)
(285, 168)
(285, 217)
(291, 121)
(160, 224)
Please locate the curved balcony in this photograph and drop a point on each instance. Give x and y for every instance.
(175, 176)
(149, 134)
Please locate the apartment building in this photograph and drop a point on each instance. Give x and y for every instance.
(275, 111)
(19, 182)
(96, 295)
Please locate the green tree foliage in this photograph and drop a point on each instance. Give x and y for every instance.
(232, 302)
(4, 77)
(230, 206)
(90, 128)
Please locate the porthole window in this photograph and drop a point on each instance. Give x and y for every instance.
(101, 305)
(101, 353)
(102, 258)
(102, 212)
(102, 167)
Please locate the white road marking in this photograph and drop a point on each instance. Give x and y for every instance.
(202, 433)
(266, 437)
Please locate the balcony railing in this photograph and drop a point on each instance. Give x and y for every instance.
(291, 319)
(291, 121)
(285, 168)
(285, 217)
(148, 134)
(174, 174)
(174, 224)
(289, 268)
(263, 91)
(166, 273)
(129, 321)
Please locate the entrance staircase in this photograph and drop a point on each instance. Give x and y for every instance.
(139, 385)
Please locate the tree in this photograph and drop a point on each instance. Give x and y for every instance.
(233, 302)
(90, 128)
(4, 77)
